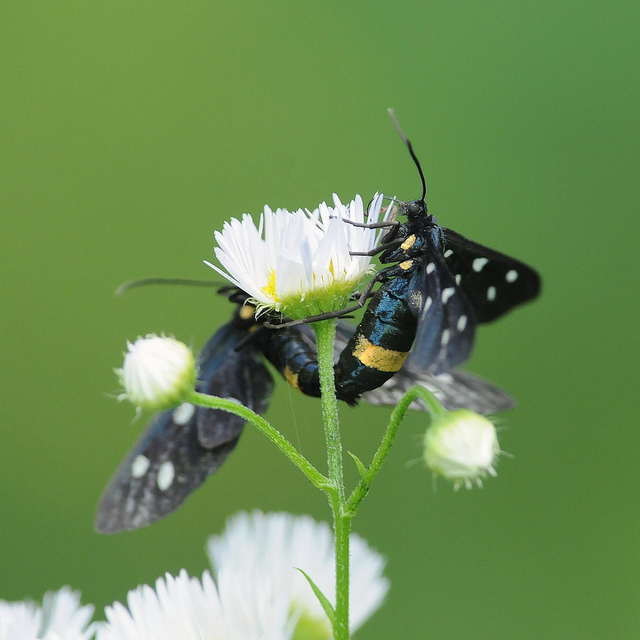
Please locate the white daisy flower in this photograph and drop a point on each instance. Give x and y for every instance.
(59, 618)
(299, 263)
(185, 608)
(462, 446)
(270, 548)
(158, 373)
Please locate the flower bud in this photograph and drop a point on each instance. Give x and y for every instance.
(158, 373)
(461, 446)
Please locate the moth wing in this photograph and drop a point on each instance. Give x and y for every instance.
(455, 389)
(180, 448)
(230, 369)
(446, 319)
(494, 282)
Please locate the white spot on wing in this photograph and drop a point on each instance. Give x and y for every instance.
(458, 278)
(448, 253)
(139, 466)
(491, 294)
(182, 414)
(447, 293)
(478, 264)
(462, 323)
(511, 276)
(446, 334)
(166, 474)
(431, 267)
(427, 304)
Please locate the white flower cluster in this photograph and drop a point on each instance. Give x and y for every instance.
(258, 592)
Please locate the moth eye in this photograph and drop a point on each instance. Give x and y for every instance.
(414, 207)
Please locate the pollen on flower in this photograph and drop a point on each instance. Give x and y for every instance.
(269, 289)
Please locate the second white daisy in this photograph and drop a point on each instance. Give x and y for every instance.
(186, 608)
(270, 548)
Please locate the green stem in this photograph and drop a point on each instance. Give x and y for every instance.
(213, 402)
(342, 528)
(434, 408)
(325, 334)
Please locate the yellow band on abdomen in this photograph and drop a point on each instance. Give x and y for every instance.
(291, 378)
(376, 357)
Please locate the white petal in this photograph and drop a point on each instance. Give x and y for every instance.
(61, 617)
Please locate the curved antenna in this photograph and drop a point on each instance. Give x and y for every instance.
(392, 115)
(143, 282)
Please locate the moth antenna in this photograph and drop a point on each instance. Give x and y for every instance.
(406, 140)
(143, 282)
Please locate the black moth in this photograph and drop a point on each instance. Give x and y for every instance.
(438, 288)
(424, 316)
(181, 447)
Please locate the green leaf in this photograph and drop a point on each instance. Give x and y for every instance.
(326, 605)
(362, 470)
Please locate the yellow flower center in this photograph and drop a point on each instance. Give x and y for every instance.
(269, 289)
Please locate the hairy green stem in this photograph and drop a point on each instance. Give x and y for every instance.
(415, 393)
(325, 334)
(213, 402)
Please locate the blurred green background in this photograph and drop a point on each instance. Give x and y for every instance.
(130, 131)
